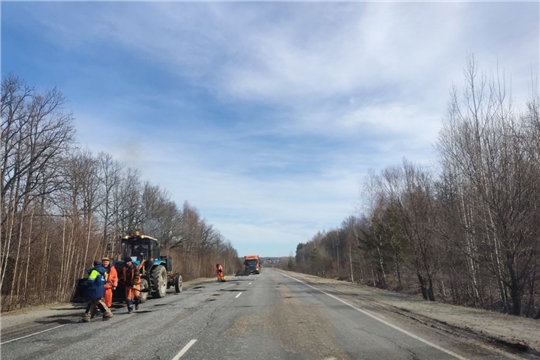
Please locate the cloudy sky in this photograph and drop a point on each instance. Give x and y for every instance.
(265, 116)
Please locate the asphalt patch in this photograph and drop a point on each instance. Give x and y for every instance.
(520, 347)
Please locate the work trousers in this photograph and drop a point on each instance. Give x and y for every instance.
(91, 307)
(133, 293)
(133, 296)
(107, 298)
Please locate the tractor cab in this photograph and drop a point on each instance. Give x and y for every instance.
(140, 247)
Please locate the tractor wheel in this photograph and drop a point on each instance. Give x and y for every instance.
(178, 284)
(159, 278)
(144, 294)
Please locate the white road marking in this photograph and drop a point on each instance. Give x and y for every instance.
(249, 284)
(24, 337)
(185, 349)
(237, 296)
(382, 321)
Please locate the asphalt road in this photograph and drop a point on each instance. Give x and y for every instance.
(266, 316)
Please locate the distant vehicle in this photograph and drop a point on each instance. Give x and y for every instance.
(252, 263)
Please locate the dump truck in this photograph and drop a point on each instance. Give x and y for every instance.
(157, 272)
(252, 264)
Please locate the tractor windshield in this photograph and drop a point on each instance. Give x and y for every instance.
(138, 250)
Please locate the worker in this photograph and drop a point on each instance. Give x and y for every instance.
(94, 291)
(97, 311)
(112, 281)
(132, 281)
(219, 272)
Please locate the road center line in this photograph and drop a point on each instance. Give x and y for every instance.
(39, 332)
(236, 297)
(184, 349)
(382, 321)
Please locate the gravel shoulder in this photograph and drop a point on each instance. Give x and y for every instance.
(519, 333)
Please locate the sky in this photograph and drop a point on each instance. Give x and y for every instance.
(265, 116)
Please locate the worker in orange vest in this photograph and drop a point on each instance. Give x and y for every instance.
(112, 281)
(132, 282)
(219, 272)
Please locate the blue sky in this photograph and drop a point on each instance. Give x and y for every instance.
(265, 116)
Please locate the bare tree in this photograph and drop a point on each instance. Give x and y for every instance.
(57, 201)
(110, 178)
(35, 133)
(483, 144)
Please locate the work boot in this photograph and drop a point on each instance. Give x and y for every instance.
(86, 317)
(137, 306)
(130, 309)
(107, 315)
(97, 312)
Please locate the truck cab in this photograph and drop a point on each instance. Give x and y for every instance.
(252, 264)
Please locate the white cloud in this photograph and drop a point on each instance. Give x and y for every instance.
(349, 87)
(371, 45)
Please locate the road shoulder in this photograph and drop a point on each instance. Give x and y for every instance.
(515, 333)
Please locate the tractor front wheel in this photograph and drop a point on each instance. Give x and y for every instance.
(159, 278)
(178, 284)
(144, 290)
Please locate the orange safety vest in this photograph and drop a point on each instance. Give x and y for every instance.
(134, 271)
(112, 277)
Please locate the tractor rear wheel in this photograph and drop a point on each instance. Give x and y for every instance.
(178, 283)
(159, 278)
(144, 294)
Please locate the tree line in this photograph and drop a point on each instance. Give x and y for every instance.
(61, 206)
(465, 231)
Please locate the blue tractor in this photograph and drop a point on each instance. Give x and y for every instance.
(157, 273)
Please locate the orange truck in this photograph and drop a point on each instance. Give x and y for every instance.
(252, 264)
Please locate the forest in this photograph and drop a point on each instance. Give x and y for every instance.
(62, 206)
(466, 230)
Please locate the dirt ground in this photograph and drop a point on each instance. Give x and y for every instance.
(517, 332)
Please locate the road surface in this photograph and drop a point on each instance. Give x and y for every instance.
(266, 316)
